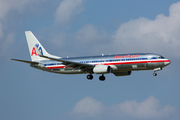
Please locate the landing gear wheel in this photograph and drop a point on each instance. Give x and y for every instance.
(102, 78)
(155, 74)
(89, 77)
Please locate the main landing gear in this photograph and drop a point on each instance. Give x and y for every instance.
(101, 78)
(89, 77)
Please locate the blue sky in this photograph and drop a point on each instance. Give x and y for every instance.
(82, 28)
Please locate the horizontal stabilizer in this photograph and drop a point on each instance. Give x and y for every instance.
(25, 61)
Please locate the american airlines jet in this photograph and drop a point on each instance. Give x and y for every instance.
(118, 64)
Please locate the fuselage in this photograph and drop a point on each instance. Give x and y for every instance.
(117, 63)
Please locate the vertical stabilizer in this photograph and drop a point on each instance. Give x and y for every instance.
(32, 42)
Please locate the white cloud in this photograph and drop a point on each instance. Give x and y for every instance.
(90, 34)
(68, 9)
(91, 38)
(18, 5)
(7, 37)
(160, 35)
(87, 107)
(147, 109)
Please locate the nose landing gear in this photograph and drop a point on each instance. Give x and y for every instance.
(155, 74)
(156, 69)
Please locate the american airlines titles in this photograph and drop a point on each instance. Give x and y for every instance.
(127, 56)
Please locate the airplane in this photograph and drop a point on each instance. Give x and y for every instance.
(118, 64)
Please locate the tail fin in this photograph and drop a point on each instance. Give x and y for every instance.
(32, 42)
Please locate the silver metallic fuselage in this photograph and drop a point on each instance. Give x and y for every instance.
(117, 63)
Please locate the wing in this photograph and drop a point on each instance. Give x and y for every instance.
(75, 65)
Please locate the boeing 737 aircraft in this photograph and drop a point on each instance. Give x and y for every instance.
(118, 64)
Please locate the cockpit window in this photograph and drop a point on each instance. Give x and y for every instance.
(161, 57)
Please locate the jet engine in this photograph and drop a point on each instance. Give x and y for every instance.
(101, 69)
(125, 73)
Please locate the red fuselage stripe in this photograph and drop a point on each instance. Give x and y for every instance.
(116, 63)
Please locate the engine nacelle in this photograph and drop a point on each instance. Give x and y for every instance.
(101, 69)
(122, 73)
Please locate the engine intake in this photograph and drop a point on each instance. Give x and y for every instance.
(101, 69)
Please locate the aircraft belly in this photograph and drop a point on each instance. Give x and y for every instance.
(64, 71)
(132, 67)
(114, 68)
(139, 66)
(155, 65)
(60, 71)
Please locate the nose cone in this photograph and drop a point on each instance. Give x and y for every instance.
(167, 62)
